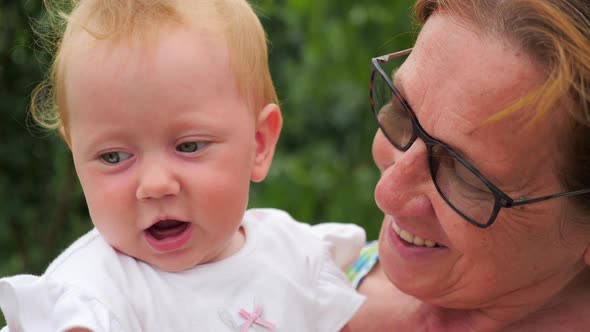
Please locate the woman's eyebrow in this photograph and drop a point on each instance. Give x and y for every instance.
(398, 83)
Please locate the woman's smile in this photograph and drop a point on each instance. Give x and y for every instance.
(409, 245)
(411, 238)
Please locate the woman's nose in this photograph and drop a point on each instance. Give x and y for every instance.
(157, 180)
(405, 177)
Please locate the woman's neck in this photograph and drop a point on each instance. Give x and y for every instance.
(387, 308)
(443, 319)
(563, 310)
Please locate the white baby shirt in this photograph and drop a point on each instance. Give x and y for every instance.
(282, 279)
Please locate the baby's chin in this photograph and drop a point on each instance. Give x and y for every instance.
(172, 268)
(168, 262)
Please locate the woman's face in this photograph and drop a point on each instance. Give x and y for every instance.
(455, 79)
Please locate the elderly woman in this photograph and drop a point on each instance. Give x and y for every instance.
(484, 153)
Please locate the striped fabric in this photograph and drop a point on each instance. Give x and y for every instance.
(364, 264)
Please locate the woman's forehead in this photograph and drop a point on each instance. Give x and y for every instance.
(455, 68)
(455, 79)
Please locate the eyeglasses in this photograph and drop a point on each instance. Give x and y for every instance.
(462, 186)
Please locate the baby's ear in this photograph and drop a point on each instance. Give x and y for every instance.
(587, 255)
(64, 135)
(268, 128)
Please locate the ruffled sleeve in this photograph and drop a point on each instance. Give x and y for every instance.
(39, 304)
(344, 241)
(337, 301)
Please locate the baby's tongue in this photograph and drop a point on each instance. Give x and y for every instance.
(167, 228)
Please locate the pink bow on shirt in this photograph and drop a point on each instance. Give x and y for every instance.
(255, 319)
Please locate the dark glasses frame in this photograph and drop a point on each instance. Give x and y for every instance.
(501, 199)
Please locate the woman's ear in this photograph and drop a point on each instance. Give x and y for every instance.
(268, 128)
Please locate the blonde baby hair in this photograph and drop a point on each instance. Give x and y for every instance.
(115, 19)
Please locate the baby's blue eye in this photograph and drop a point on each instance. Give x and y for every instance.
(189, 147)
(115, 157)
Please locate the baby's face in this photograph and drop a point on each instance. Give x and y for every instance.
(163, 144)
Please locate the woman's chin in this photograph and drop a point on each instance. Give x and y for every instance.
(412, 269)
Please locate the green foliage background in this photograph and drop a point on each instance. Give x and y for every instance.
(320, 53)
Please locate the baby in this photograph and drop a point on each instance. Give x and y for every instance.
(169, 111)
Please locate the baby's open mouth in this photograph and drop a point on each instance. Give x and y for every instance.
(167, 228)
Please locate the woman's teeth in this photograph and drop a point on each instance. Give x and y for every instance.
(413, 239)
